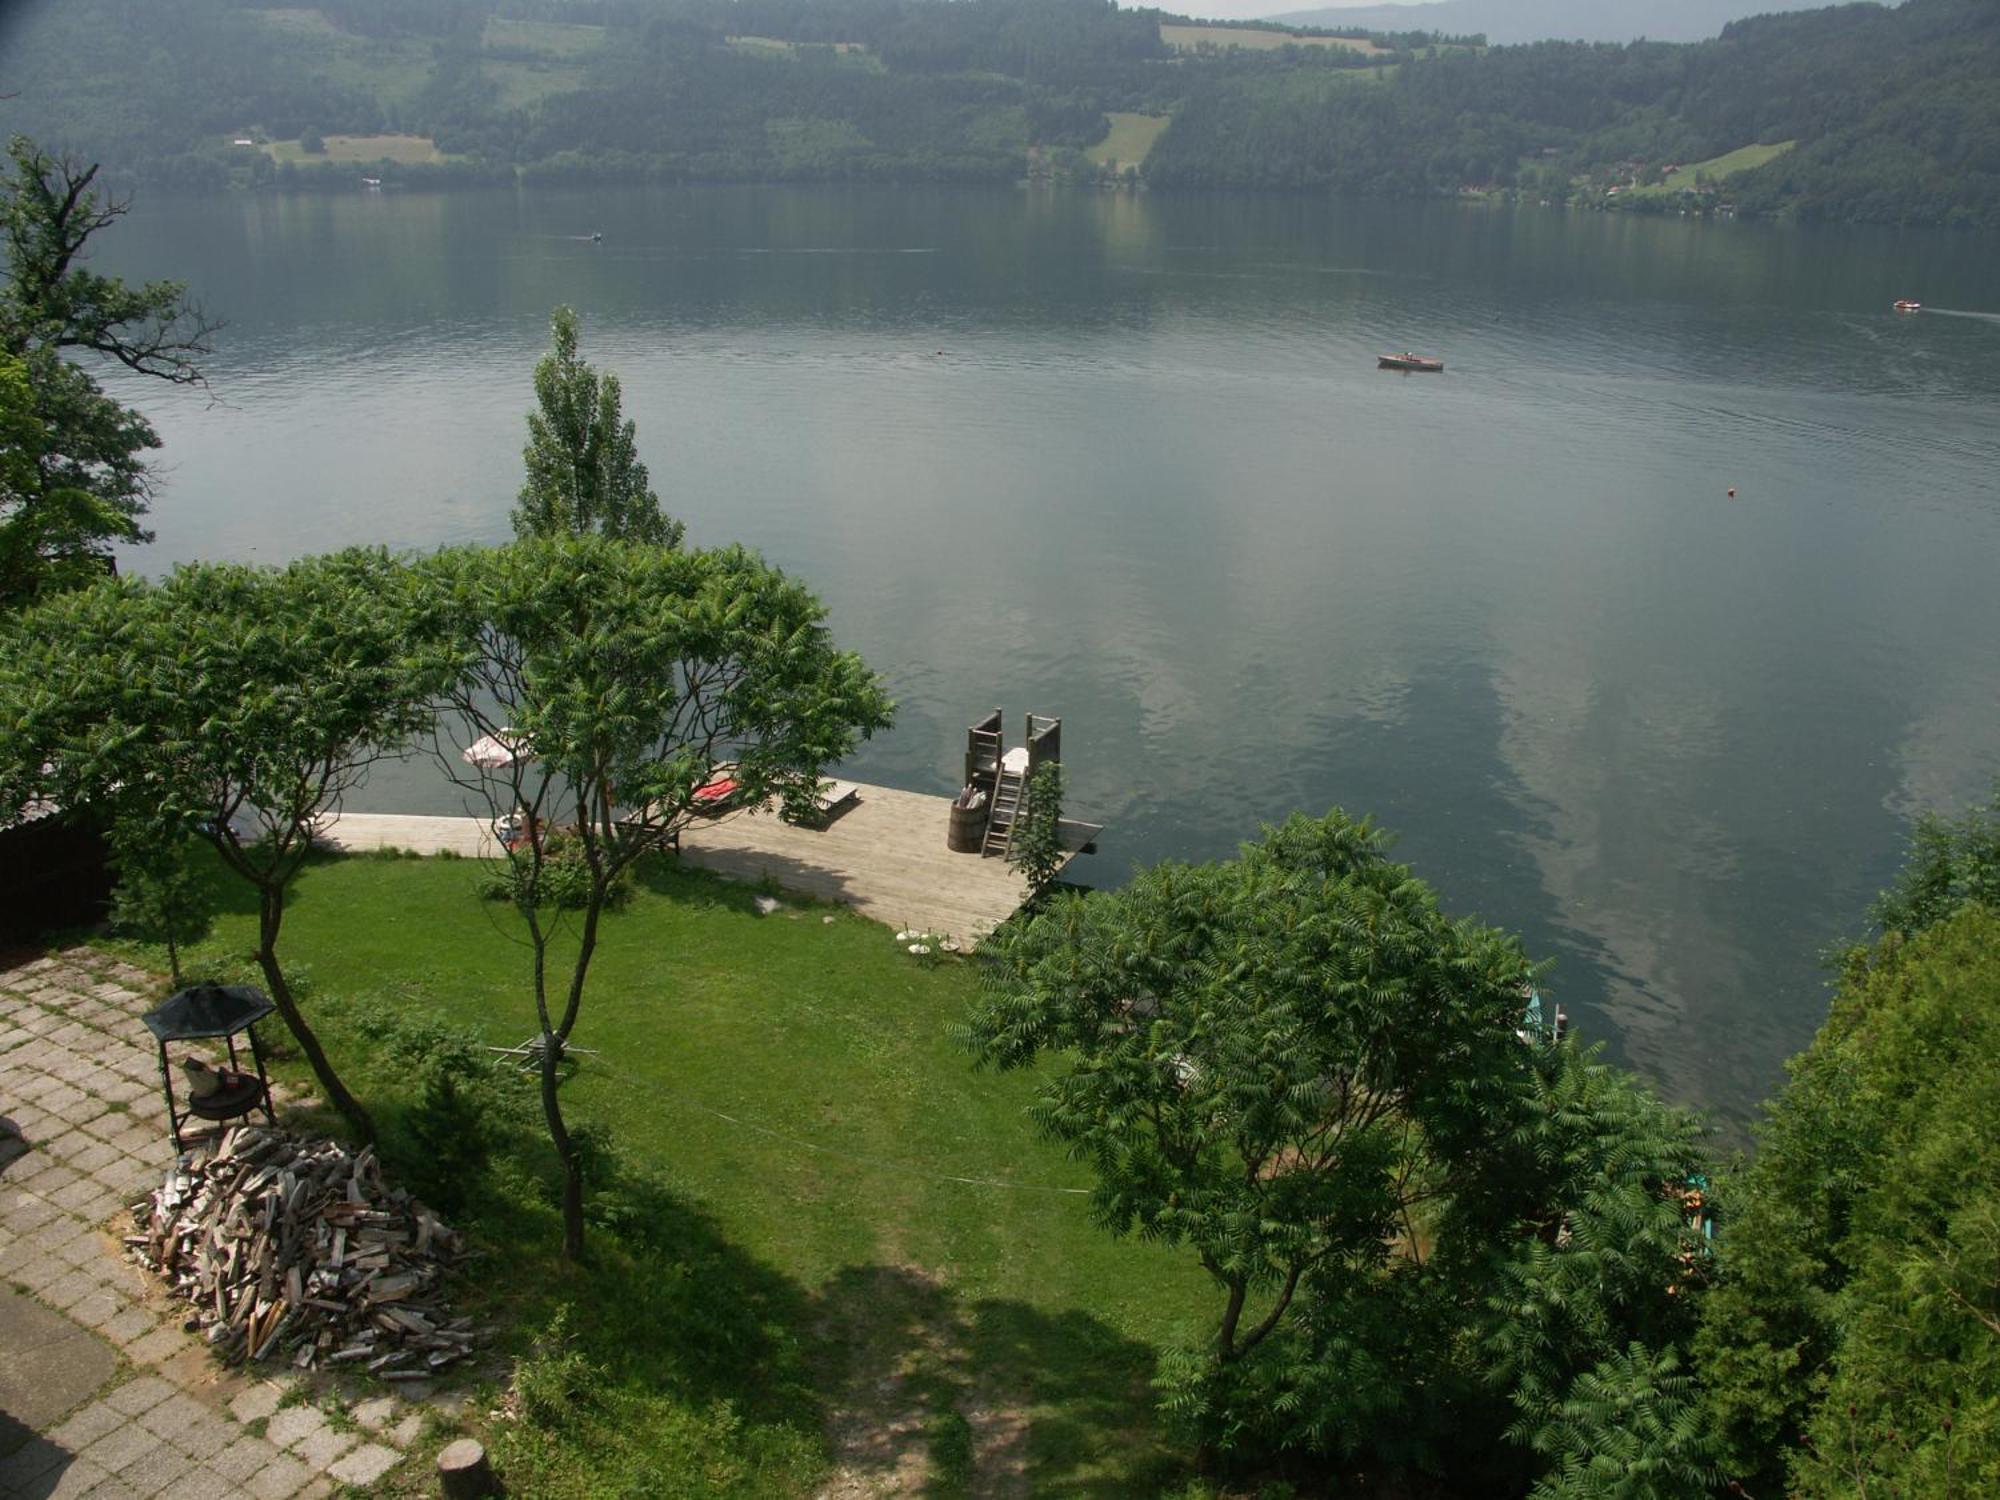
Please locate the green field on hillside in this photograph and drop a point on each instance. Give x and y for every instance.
(1131, 137)
(559, 39)
(408, 150)
(1254, 39)
(1742, 159)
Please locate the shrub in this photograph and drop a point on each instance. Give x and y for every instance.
(555, 1382)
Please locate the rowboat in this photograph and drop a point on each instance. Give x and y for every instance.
(1408, 361)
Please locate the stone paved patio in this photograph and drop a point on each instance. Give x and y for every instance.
(84, 1133)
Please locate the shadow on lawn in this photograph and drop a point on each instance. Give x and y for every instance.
(906, 1387)
(930, 1394)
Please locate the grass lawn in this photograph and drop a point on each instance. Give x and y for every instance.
(1131, 137)
(408, 149)
(800, 1283)
(1188, 38)
(1742, 159)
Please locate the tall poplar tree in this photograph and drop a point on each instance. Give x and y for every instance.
(582, 457)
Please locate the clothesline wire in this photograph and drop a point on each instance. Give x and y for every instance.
(905, 1169)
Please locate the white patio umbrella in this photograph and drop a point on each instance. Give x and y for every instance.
(495, 752)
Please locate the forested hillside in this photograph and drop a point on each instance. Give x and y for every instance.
(1856, 113)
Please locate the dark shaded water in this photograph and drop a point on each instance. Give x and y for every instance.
(1128, 460)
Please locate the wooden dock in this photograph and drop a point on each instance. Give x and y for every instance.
(882, 854)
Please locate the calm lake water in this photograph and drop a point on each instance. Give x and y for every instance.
(1128, 460)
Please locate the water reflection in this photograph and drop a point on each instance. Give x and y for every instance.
(1127, 459)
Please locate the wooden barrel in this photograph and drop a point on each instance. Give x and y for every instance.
(967, 830)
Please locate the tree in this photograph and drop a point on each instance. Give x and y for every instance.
(1037, 850)
(1261, 1055)
(162, 889)
(1423, 1229)
(582, 457)
(1951, 863)
(623, 677)
(231, 703)
(1853, 1343)
(75, 480)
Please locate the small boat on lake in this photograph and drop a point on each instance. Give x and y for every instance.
(1904, 304)
(1408, 361)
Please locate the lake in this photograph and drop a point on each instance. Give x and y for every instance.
(1128, 459)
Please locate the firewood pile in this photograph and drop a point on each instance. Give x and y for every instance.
(297, 1247)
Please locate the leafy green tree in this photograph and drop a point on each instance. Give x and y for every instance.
(1853, 1344)
(1423, 1229)
(1248, 1044)
(75, 480)
(163, 890)
(1951, 862)
(1629, 1428)
(1037, 850)
(582, 457)
(624, 676)
(239, 703)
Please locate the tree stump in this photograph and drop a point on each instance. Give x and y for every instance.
(463, 1472)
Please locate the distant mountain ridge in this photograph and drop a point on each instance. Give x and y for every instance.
(1505, 22)
(1857, 112)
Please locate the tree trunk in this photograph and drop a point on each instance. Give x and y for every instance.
(271, 914)
(1225, 1339)
(572, 1164)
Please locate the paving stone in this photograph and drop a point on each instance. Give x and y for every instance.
(293, 1425)
(136, 1396)
(205, 1484)
(114, 1488)
(96, 1154)
(242, 1458)
(375, 1413)
(280, 1479)
(172, 1415)
(408, 1430)
(88, 1425)
(255, 1401)
(365, 1464)
(130, 1325)
(78, 1197)
(321, 1448)
(26, 1211)
(158, 1472)
(81, 1248)
(97, 1309)
(204, 1437)
(80, 1478)
(161, 1344)
(29, 1463)
(67, 1291)
(122, 1448)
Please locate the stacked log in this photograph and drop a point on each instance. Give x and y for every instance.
(296, 1248)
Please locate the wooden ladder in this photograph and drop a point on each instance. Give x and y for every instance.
(1010, 796)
